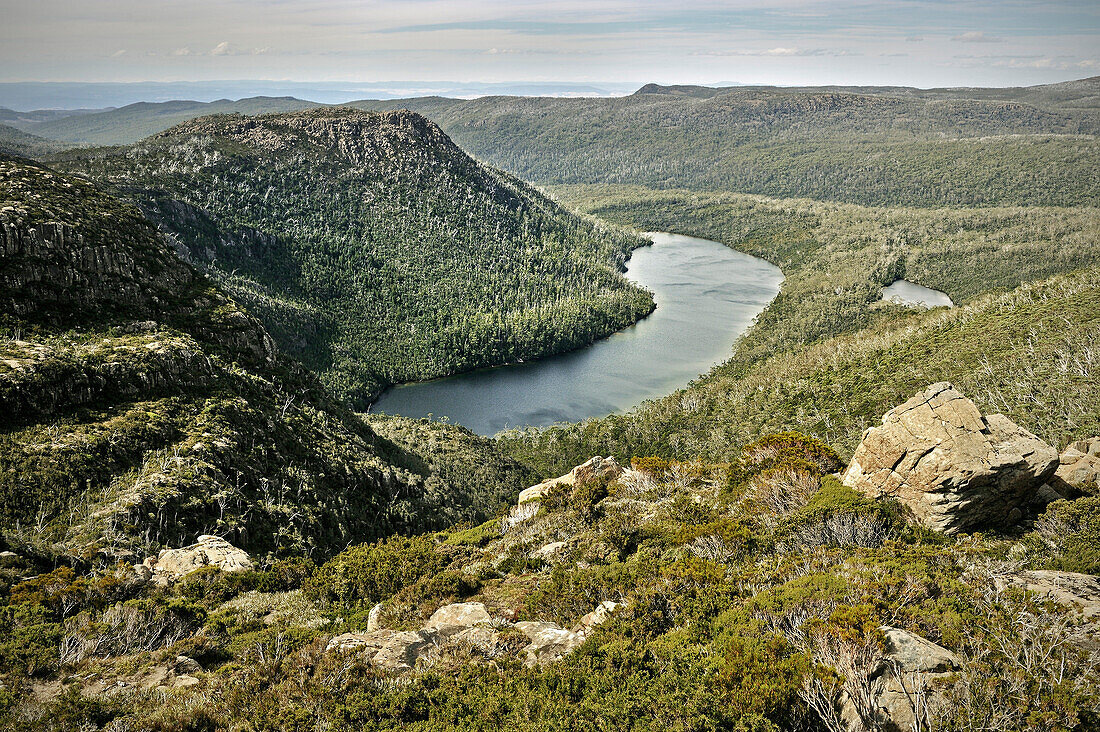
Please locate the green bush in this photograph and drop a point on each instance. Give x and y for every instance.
(370, 573)
(1071, 530)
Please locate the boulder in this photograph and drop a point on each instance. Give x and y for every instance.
(391, 650)
(908, 684)
(402, 650)
(913, 654)
(955, 468)
(460, 615)
(548, 641)
(172, 564)
(1079, 464)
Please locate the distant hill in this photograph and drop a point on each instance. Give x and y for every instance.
(135, 121)
(372, 247)
(865, 145)
(1078, 94)
(19, 120)
(21, 144)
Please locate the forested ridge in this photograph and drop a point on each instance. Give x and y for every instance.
(851, 146)
(372, 247)
(141, 405)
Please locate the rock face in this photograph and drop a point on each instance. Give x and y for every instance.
(956, 469)
(172, 564)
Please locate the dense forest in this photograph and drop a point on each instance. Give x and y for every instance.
(140, 406)
(372, 248)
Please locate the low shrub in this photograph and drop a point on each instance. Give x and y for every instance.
(371, 573)
(1071, 531)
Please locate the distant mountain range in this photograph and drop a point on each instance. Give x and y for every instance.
(68, 95)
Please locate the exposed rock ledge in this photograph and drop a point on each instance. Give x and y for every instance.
(469, 624)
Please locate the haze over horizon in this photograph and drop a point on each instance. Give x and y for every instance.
(921, 43)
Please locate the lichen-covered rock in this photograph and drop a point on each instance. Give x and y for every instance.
(548, 641)
(391, 650)
(907, 685)
(172, 564)
(1079, 591)
(459, 614)
(956, 469)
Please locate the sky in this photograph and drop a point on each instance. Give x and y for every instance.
(907, 42)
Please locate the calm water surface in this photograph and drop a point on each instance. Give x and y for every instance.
(910, 293)
(707, 295)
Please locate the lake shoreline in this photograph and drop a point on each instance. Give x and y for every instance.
(706, 296)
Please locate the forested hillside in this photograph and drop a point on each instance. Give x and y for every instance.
(141, 406)
(828, 356)
(21, 144)
(867, 146)
(372, 247)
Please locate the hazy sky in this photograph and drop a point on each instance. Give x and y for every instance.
(916, 42)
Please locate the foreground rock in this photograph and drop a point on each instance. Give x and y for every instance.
(955, 468)
(908, 684)
(209, 551)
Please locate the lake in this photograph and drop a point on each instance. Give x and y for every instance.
(707, 296)
(910, 293)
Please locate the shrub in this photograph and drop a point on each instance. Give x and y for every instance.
(370, 573)
(1071, 530)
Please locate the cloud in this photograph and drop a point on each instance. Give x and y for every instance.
(781, 51)
(976, 37)
(1050, 63)
(225, 48)
(914, 39)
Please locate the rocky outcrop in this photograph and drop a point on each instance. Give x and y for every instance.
(71, 254)
(596, 467)
(593, 469)
(468, 623)
(1078, 591)
(209, 551)
(955, 468)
